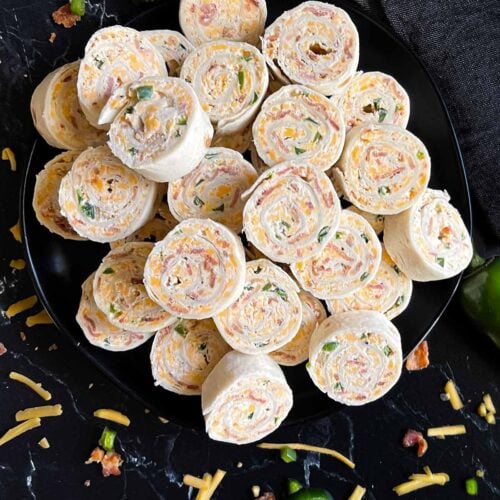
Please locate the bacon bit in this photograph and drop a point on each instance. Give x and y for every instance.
(3, 349)
(64, 17)
(419, 358)
(110, 461)
(412, 438)
(267, 496)
(52, 37)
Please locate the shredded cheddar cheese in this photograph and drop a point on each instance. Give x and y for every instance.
(8, 155)
(19, 429)
(307, 447)
(214, 484)
(448, 430)
(481, 410)
(418, 481)
(43, 443)
(39, 412)
(21, 306)
(18, 264)
(113, 416)
(34, 386)
(40, 318)
(490, 418)
(16, 232)
(488, 402)
(455, 400)
(195, 482)
(358, 493)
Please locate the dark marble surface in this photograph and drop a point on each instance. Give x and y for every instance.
(156, 454)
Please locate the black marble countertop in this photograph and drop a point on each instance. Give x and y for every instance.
(158, 454)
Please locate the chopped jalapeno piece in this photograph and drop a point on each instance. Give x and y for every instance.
(288, 455)
(107, 439)
(330, 346)
(108, 270)
(323, 233)
(293, 486)
(440, 261)
(180, 329)
(241, 78)
(144, 92)
(299, 151)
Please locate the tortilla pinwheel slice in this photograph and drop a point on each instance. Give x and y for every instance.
(355, 357)
(383, 169)
(348, 262)
(237, 20)
(429, 241)
(297, 350)
(46, 195)
(376, 221)
(172, 45)
(297, 122)
(114, 56)
(158, 128)
(389, 292)
(268, 313)
(57, 114)
(292, 212)
(230, 80)
(314, 44)
(98, 330)
(184, 353)
(120, 293)
(245, 398)
(197, 270)
(213, 189)
(102, 199)
(374, 97)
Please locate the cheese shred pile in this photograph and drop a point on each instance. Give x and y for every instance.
(40, 318)
(418, 481)
(207, 485)
(21, 306)
(113, 416)
(8, 155)
(451, 390)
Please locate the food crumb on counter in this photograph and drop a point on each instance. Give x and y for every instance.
(23, 336)
(52, 37)
(43, 443)
(110, 461)
(86, 483)
(91, 385)
(239, 465)
(3, 349)
(53, 347)
(17, 264)
(16, 231)
(255, 491)
(163, 420)
(8, 155)
(267, 496)
(412, 438)
(419, 357)
(64, 17)
(147, 410)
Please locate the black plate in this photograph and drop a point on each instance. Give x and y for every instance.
(58, 267)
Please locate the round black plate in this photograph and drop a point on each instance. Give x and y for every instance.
(58, 267)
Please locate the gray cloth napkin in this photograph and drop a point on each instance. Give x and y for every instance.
(459, 42)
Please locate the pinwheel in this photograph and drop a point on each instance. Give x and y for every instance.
(389, 292)
(114, 56)
(375, 221)
(430, 241)
(297, 350)
(348, 262)
(172, 45)
(245, 398)
(197, 270)
(120, 293)
(238, 20)
(57, 114)
(46, 195)
(298, 122)
(355, 357)
(158, 127)
(102, 199)
(230, 79)
(213, 189)
(98, 330)
(267, 315)
(183, 354)
(292, 212)
(374, 97)
(383, 168)
(315, 44)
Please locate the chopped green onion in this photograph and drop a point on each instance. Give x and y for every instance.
(108, 270)
(339, 235)
(267, 287)
(471, 487)
(182, 46)
(132, 151)
(199, 182)
(198, 201)
(387, 350)
(285, 223)
(85, 207)
(308, 365)
(288, 455)
(309, 119)
(396, 269)
(220, 208)
(382, 114)
(399, 301)
(98, 62)
(330, 346)
(250, 415)
(113, 309)
(363, 235)
(317, 137)
(293, 486)
(376, 103)
(129, 110)
(258, 270)
(420, 155)
(246, 58)
(299, 151)
(202, 346)
(182, 121)
(440, 261)
(241, 78)
(107, 439)
(323, 233)
(338, 386)
(281, 293)
(255, 97)
(180, 329)
(383, 190)
(144, 92)
(209, 156)
(364, 276)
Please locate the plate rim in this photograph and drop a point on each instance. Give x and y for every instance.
(468, 220)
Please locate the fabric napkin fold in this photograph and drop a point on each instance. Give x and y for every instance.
(459, 43)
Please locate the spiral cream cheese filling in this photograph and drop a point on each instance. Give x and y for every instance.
(355, 357)
(298, 122)
(197, 270)
(348, 262)
(245, 398)
(184, 353)
(292, 212)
